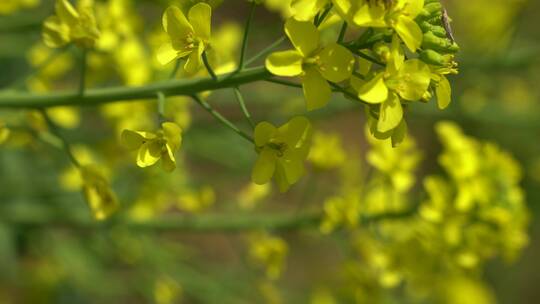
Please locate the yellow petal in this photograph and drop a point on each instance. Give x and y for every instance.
(176, 24)
(286, 63)
(444, 93)
(264, 167)
(172, 134)
(264, 131)
(391, 114)
(337, 63)
(316, 89)
(66, 12)
(166, 54)
(55, 33)
(194, 62)
(133, 139)
(168, 162)
(293, 167)
(303, 35)
(409, 32)
(200, 17)
(374, 91)
(149, 154)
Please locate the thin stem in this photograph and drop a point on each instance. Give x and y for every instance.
(221, 118)
(365, 56)
(284, 82)
(346, 93)
(208, 67)
(56, 131)
(342, 32)
(82, 79)
(323, 16)
(175, 69)
(242, 104)
(93, 97)
(246, 35)
(265, 51)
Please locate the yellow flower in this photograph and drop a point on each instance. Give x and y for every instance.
(4, 133)
(315, 64)
(188, 36)
(71, 25)
(406, 79)
(397, 14)
(306, 10)
(269, 252)
(98, 193)
(152, 147)
(327, 151)
(282, 152)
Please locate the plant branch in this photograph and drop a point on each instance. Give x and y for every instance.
(246, 35)
(242, 104)
(93, 97)
(56, 132)
(221, 118)
(266, 50)
(208, 66)
(206, 223)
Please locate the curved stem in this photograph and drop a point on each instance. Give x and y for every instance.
(266, 50)
(56, 132)
(208, 67)
(242, 103)
(246, 35)
(93, 97)
(221, 118)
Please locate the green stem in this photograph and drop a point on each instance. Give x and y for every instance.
(93, 97)
(56, 132)
(284, 82)
(175, 69)
(221, 118)
(323, 16)
(342, 32)
(208, 67)
(161, 106)
(246, 36)
(82, 80)
(207, 223)
(242, 104)
(365, 56)
(266, 50)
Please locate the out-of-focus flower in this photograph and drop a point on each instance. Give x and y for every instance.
(71, 25)
(268, 252)
(151, 147)
(167, 291)
(98, 193)
(327, 151)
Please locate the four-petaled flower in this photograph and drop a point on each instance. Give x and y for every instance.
(71, 25)
(314, 63)
(397, 14)
(97, 192)
(188, 36)
(151, 147)
(282, 152)
(406, 79)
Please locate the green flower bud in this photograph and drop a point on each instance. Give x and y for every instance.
(442, 45)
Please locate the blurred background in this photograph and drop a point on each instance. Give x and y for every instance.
(50, 254)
